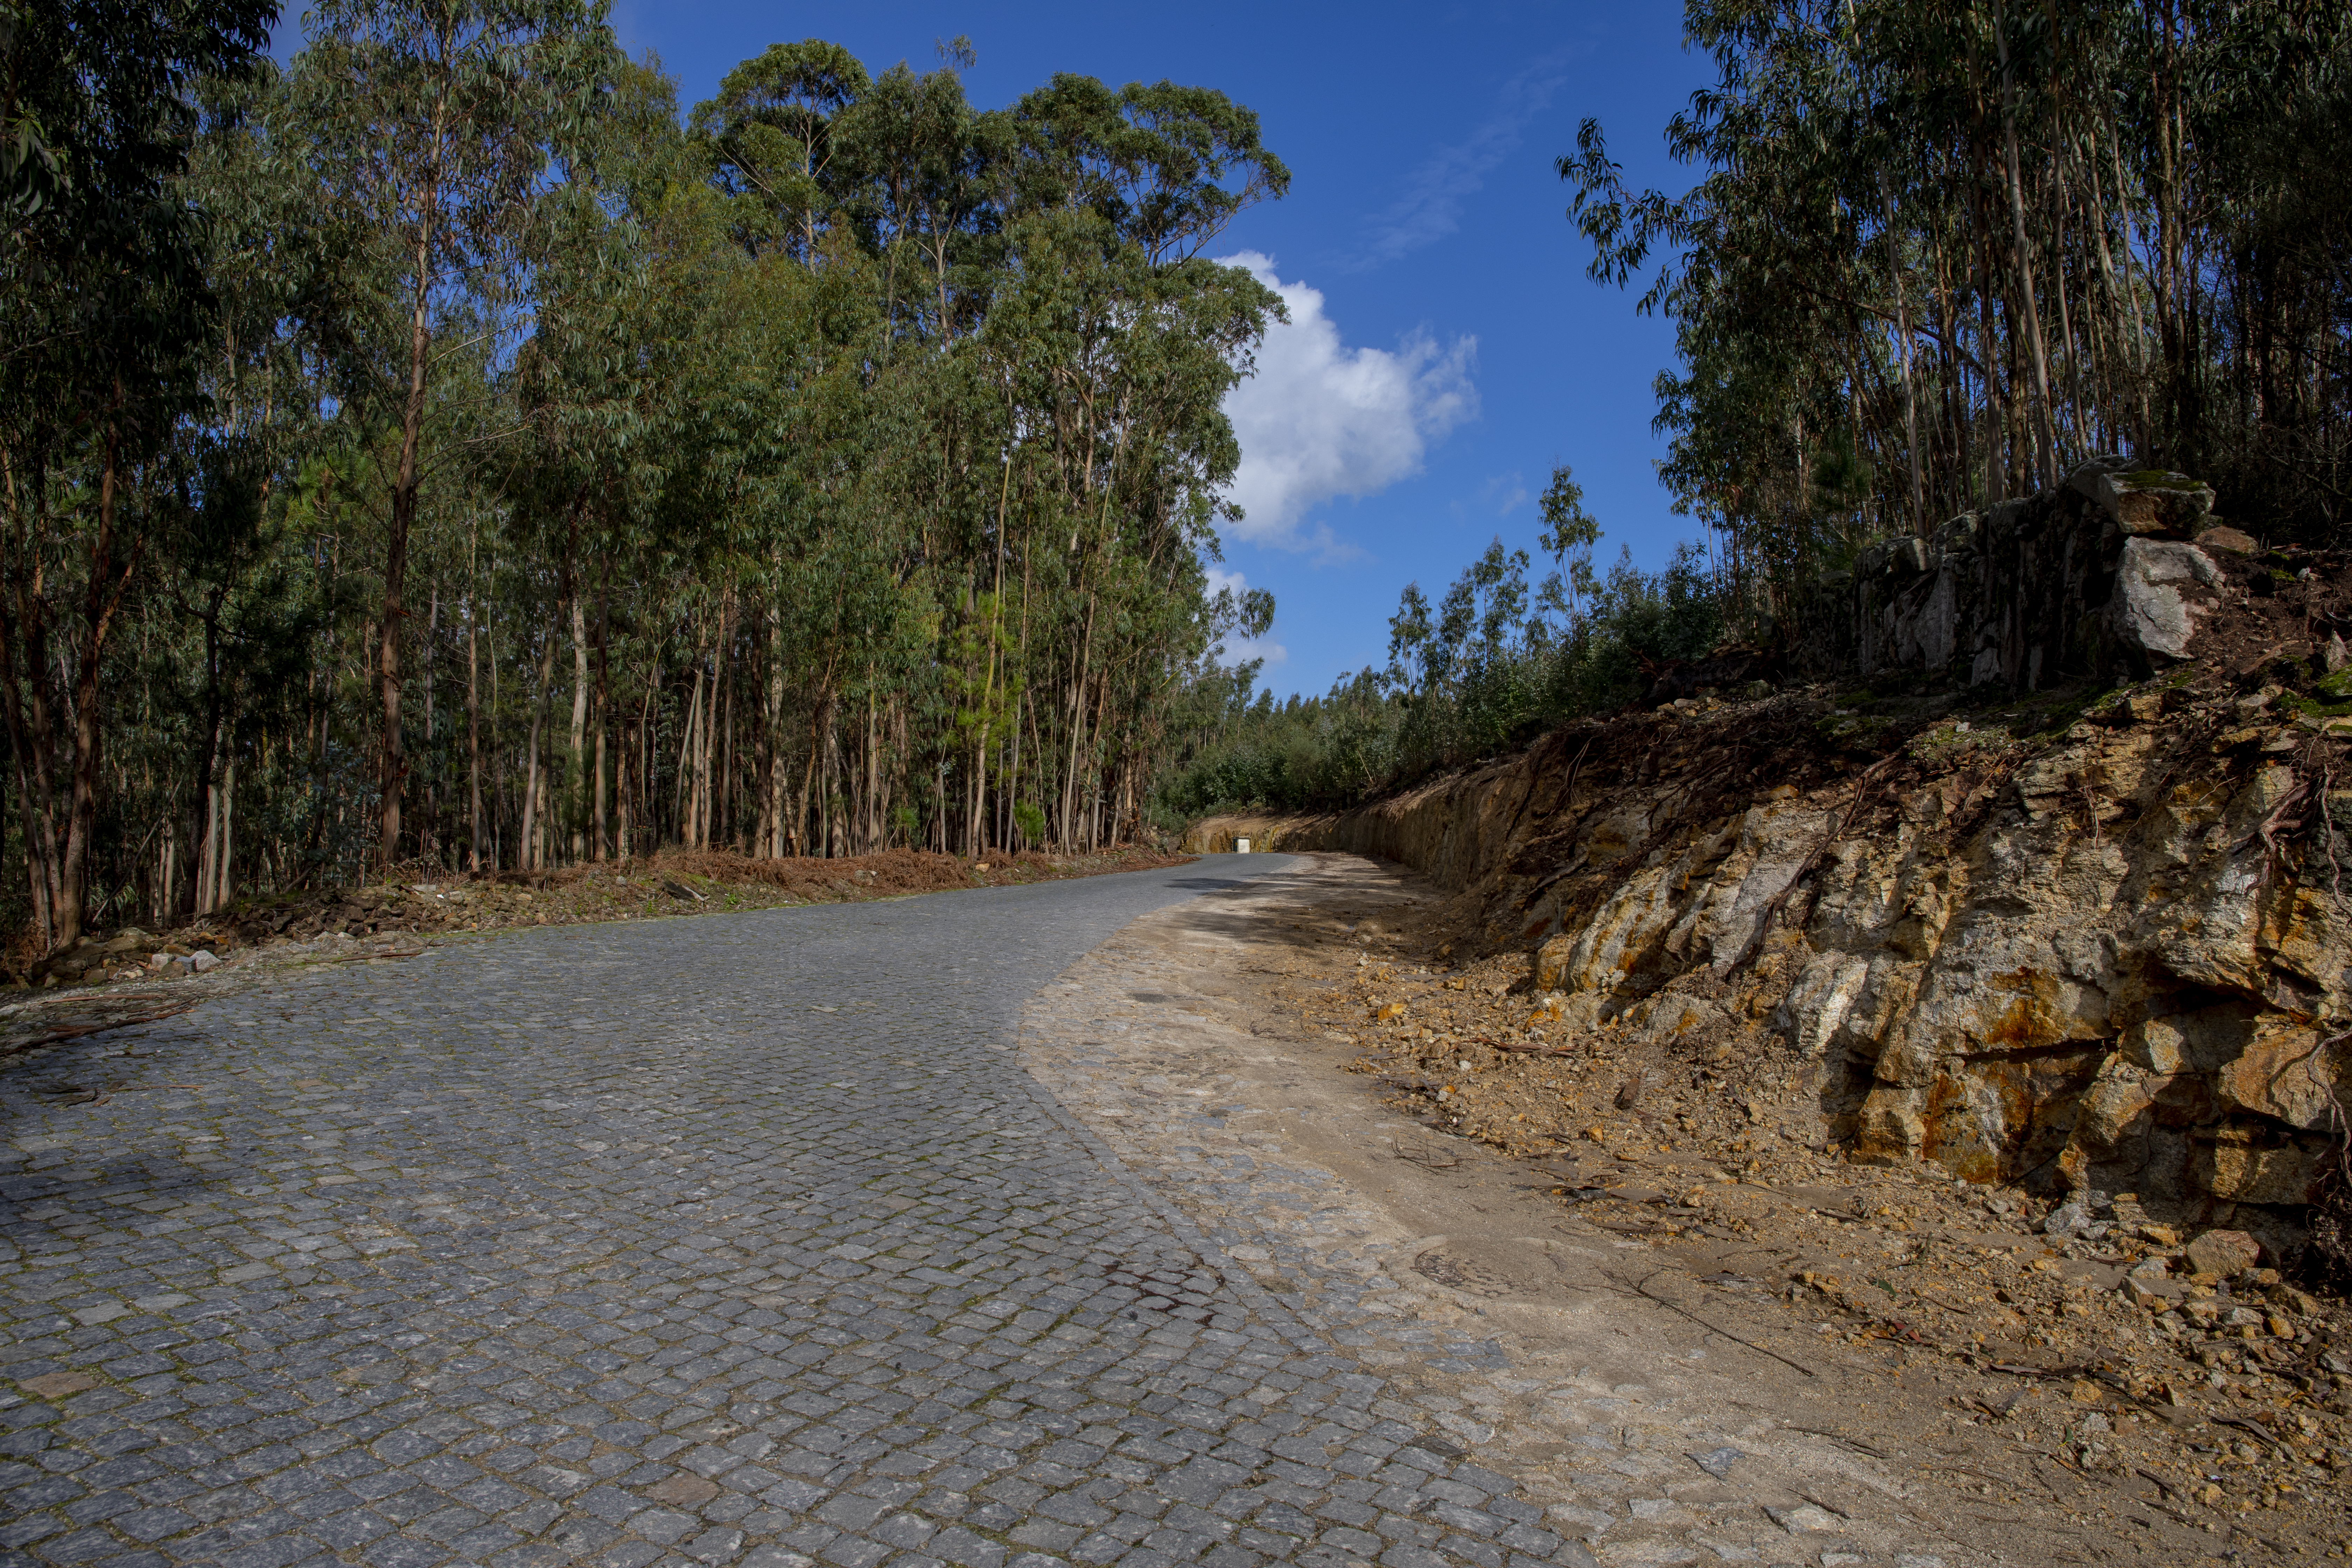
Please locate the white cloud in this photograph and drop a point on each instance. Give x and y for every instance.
(1504, 493)
(1320, 419)
(1431, 206)
(1240, 650)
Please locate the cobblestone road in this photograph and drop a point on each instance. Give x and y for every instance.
(741, 1239)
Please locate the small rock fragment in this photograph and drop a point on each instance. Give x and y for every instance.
(2223, 1252)
(2222, 537)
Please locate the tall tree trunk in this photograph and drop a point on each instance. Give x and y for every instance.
(637, 801)
(803, 843)
(224, 863)
(1953, 382)
(101, 598)
(2144, 434)
(1988, 346)
(473, 724)
(603, 714)
(576, 763)
(2074, 366)
(534, 791)
(682, 788)
(405, 484)
(773, 813)
(714, 719)
(720, 825)
(208, 853)
(1903, 331)
(1070, 826)
(29, 746)
(2045, 430)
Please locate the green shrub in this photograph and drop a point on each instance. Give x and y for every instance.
(1487, 667)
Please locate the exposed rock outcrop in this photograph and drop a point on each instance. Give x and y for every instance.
(2102, 576)
(2077, 941)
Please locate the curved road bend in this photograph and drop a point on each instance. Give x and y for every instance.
(738, 1239)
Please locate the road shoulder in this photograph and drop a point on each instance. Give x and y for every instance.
(1653, 1416)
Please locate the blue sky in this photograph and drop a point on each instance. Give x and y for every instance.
(1445, 349)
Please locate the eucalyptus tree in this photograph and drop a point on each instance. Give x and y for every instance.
(1935, 255)
(920, 174)
(849, 455)
(772, 141)
(594, 386)
(109, 314)
(1569, 533)
(427, 126)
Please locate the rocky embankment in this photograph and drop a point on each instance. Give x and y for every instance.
(2043, 887)
(2053, 1353)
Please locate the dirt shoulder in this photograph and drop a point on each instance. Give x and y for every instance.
(1682, 1323)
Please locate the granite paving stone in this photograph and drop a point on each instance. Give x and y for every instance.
(743, 1239)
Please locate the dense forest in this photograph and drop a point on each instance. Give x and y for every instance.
(1934, 255)
(443, 454)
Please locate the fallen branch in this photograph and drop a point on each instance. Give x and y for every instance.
(2256, 1428)
(2014, 1370)
(1641, 1288)
(1855, 1444)
(49, 1034)
(1426, 1159)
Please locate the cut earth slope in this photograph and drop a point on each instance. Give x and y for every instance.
(2019, 952)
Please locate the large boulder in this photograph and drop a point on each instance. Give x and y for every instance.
(2006, 595)
(2160, 587)
(2143, 502)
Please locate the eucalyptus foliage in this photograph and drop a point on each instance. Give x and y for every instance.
(1938, 253)
(1492, 662)
(443, 455)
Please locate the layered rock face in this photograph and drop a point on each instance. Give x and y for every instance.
(2075, 940)
(2107, 574)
